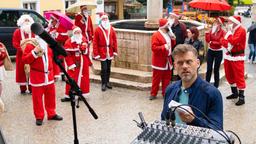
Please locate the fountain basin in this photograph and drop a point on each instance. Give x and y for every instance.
(134, 43)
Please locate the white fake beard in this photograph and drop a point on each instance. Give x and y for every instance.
(214, 28)
(26, 28)
(105, 24)
(171, 21)
(77, 38)
(85, 13)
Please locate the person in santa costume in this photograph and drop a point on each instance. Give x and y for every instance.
(105, 48)
(214, 54)
(78, 62)
(20, 35)
(60, 34)
(39, 56)
(234, 41)
(162, 43)
(84, 22)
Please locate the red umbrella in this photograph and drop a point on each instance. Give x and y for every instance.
(214, 5)
(64, 20)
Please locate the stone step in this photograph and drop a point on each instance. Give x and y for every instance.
(122, 83)
(124, 74)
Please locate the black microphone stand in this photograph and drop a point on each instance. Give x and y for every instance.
(74, 90)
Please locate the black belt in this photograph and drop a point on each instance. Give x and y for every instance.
(236, 53)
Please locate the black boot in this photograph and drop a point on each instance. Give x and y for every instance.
(241, 98)
(109, 85)
(234, 94)
(103, 87)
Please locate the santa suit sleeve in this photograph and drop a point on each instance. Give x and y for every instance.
(157, 47)
(235, 39)
(90, 28)
(16, 39)
(62, 34)
(208, 37)
(69, 59)
(29, 55)
(96, 54)
(114, 41)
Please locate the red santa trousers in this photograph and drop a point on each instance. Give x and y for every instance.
(234, 71)
(49, 101)
(163, 76)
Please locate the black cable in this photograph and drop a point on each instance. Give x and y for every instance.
(235, 135)
(225, 137)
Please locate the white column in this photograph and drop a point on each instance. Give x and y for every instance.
(253, 17)
(154, 13)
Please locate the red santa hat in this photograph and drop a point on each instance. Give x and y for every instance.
(76, 28)
(221, 20)
(83, 7)
(102, 15)
(235, 19)
(22, 19)
(163, 23)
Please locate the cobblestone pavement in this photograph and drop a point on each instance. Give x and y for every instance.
(116, 110)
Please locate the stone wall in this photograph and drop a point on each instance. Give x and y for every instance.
(134, 50)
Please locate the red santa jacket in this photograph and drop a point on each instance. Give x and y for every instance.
(235, 44)
(74, 51)
(104, 43)
(59, 33)
(41, 68)
(214, 39)
(85, 26)
(161, 57)
(16, 40)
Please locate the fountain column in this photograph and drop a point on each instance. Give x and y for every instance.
(154, 13)
(253, 16)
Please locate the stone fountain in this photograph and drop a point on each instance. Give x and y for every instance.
(132, 67)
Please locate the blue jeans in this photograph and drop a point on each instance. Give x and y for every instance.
(252, 52)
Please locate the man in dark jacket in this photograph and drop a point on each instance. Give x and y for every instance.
(194, 91)
(178, 28)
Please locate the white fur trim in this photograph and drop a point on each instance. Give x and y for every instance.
(71, 67)
(22, 84)
(97, 57)
(220, 49)
(174, 14)
(164, 25)
(227, 35)
(170, 52)
(162, 68)
(234, 58)
(34, 54)
(76, 29)
(115, 53)
(234, 20)
(233, 85)
(42, 84)
(72, 49)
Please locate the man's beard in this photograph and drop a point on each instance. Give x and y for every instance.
(77, 38)
(26, 28)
